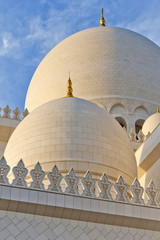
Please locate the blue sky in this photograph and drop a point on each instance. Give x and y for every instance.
(31, 28)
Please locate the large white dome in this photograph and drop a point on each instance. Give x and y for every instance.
(105, 63)
(73, 133)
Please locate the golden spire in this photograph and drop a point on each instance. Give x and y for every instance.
(158, 110)
(102, 21)
(69, 88)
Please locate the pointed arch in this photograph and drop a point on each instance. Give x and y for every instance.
(141, 110)
(118, 108)
(121, 121)
(138, 124)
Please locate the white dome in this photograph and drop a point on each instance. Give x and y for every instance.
(73, 133)
(151, 123)
(105, 63)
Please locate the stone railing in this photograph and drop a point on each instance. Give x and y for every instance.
(16, 113)
(137, 137)
(71, 181)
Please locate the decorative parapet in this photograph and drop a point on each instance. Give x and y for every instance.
(16, 113)
(152, 193)
(137, 192)
(132, 135)
(89, 185)
(6, 112)
(20, 173)
(73, 183)
(121, 189)
(37, 175)
(137, 137)
(141, 137)
(105, 187)
(4, 170)
(25, 113)
(55, 178)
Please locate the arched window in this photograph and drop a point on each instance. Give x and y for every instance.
(138, 125)
(121, 121)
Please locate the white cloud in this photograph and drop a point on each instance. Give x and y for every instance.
(60, 23)
(8, 45)
(147, 24)
(5, 42)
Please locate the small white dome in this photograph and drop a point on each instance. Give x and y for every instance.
(151, 123)
(72, 132)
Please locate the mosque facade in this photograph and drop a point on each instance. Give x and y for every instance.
(84, 163)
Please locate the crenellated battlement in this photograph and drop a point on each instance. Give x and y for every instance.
(72, 182)
(137, 137)
(16, 114)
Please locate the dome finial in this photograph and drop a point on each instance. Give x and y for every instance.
(158, 109)
(69, 88)
(102, 21)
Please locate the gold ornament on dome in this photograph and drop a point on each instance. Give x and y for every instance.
(69, 88)
(102, 21)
